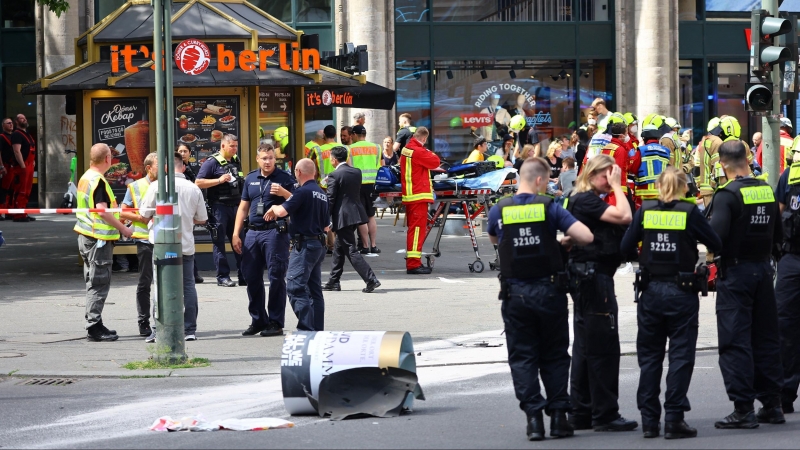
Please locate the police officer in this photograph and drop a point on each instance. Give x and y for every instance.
(308, 209)
(787, 287)
(366, 157)
(266, 244)
(222, 176)
(534, 296)
(745, 216)
(596, 352)
(668, 229)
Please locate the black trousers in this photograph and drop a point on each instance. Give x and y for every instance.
(537, 334)
(787, 297)
(594, 383)
(665, 312)
(345, 245)
(749, 341)
(144, 252)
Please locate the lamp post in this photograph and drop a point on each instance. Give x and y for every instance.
(167, 253)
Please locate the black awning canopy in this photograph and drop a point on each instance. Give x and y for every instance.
(368, 96)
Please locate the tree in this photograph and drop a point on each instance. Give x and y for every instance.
(56, 6)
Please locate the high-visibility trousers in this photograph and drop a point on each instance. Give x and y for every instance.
(21, 185)
(417, 220)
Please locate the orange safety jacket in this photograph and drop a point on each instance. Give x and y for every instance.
(416, 163)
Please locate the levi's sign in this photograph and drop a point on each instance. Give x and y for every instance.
(476, 120)
(193, 57)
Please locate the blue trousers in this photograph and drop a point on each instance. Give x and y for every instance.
(787, 295)
(304, 285)
(268, 249)
(225, 216)
(537, 334)
(665, 312)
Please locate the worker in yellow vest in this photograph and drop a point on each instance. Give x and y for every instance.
(325, 167)
(366, 156)
(144, 248)
(96, 231)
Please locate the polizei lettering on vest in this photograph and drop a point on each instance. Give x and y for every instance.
(523, 214)
(757, 194)
(664, 220)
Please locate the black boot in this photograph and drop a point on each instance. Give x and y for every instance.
(580, 422)
(787, 408)
(620, 424)
(771, 414)
(559, 426)
(651, 431)
(738, 419)
(97, 333)
(678, 430)
(535, 427)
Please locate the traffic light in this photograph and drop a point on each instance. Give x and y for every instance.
(758, 97)
(765, 53)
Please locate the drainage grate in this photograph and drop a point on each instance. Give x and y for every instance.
(48, 382)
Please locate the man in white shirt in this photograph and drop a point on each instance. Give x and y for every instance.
(192, 210)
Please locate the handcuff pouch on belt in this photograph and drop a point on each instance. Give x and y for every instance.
(561, 280)
(504, 294)
(299, 238)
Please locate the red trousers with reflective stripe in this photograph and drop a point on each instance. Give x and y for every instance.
(21, 185)
(417, 220)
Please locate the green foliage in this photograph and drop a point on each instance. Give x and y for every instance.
(56, 6)
(152, 364)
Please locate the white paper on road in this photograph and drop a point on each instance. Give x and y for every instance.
(199, 423)
(447, 280)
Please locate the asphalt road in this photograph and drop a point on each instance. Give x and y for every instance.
(471, 406)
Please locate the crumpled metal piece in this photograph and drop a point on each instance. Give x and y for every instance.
(367, 391)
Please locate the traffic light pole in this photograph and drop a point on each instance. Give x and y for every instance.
(770, 124)
(167, 253)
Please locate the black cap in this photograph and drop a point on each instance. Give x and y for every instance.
(359, 130)
(508, 137)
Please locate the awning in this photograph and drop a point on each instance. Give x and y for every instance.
(99, 76)
(368, 96)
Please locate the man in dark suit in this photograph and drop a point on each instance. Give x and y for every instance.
(347, 213)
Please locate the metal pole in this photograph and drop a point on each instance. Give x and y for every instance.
(770, 124)
(167, 251)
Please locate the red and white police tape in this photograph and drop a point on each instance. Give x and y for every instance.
(160, 209)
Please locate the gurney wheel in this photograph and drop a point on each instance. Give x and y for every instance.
(430, 260)
(437, 254)
(477, 266)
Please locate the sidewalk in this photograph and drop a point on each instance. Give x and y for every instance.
(447, 313)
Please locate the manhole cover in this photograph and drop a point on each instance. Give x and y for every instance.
(11, 355)
(48, 382)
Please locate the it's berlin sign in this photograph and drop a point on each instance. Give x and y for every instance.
(193, 57)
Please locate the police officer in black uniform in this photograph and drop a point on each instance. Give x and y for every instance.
(222, 176)
(266, 243)
(668, 306)
(594, 382)
(308, 210)
(787, 287)
(533, 291)
(745, 215)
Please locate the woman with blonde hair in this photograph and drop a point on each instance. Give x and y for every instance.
(594, 382)
(552, 157)
(668, 307)
(528, 151)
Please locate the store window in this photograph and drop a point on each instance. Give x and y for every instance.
(305, 10)
(106, 7)
(413, 91)
(729, 80)
(692, 101)
(502, 10)
(593, 10)
(17, 13)
(475, 99)
(16, 103)
(279, 9)
(316, 119)
(276, 124)
(595, 82)
(411, 10)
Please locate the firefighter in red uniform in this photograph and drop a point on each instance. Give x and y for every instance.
(24, 148)
(619, 149)
(634, 156)
(415, 164)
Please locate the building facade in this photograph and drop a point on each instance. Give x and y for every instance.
(453, 63)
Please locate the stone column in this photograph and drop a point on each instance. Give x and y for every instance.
(371, 23)
(656, 67)
(55, 37)
(625, 63)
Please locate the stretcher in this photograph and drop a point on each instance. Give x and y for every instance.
(473, 202)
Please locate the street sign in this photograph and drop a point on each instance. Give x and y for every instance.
(275, 100)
